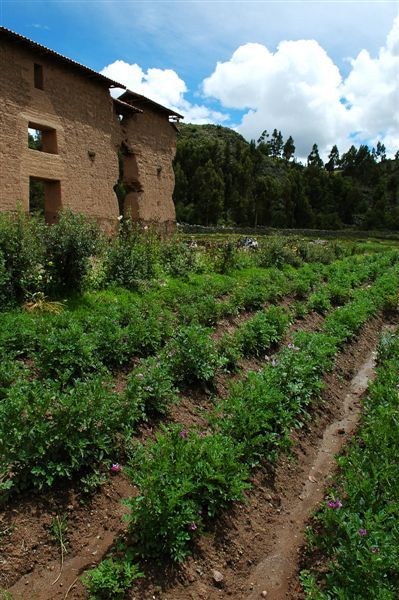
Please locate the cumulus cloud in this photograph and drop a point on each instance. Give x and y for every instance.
(372, 89)
(300, 90)
(163, 86)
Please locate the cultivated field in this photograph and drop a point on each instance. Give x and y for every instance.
(209, 392)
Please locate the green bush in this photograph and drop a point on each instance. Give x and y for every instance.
(277, 251)
(151, 386)
(178, 259)
(149, 326)
(261, 331)
(70, 243)
(320, 301)
(230, 350)
(192, 355)
(47, 433)
(226, 257)
(205, 310)
(132, 257)
(6, 289)
(22, 257)
(11, 370)
(18, 333)
(64, 351)
(183, 477)
(111, 579)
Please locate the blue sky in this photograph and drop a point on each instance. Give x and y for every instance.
(303, 67)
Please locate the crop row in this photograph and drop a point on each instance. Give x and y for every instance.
(179, 492)
(357, 531)
(50, 430)
(186, 477)
(106, 331)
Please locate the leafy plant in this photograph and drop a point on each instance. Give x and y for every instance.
(261, 331)
(192, 355)
(132, 257)
(183, 477)
(69, 245)
(151, 386)
(48, 434)
(65, 351)
(111, 579)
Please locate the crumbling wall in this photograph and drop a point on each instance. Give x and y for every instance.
(80, 111)
(81, 168)
(150, 141)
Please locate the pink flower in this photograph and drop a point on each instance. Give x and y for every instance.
(116, 468)
(192, 526)
(374, 549)
(334, 504)
(362, 531)
(183, 433)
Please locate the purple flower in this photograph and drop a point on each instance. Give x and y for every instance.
(116, 468)
(362, 531)
(334, 504)
(374, 549)
(192, 526)
(183, 433)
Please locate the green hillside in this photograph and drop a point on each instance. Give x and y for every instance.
(223, 179)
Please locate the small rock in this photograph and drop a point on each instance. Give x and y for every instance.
(217, 577)
(264, 594)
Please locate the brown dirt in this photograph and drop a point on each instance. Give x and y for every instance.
(236, 545)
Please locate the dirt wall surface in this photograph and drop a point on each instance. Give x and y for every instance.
(77, 113)
(150, 142)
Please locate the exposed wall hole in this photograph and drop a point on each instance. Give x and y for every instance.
(128, 187)
(42, 138)
(45, 198)
(38, 76)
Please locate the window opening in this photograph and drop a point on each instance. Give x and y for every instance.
(45, 198)
(38, 76)
(42, 138)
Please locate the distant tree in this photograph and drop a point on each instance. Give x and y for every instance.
(314, 159)
(381, 151)
(208, 194)
(276, 144)
(333, 159)
(288, 149)
(263, 143)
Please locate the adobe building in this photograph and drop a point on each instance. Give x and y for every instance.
(87, 140)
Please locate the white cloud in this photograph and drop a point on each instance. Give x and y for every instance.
(372, 88)
(300, 90)
(162, 85)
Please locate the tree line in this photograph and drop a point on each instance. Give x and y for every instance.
(223, 179)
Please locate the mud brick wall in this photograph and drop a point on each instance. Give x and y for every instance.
(82, 173)
(149, 178)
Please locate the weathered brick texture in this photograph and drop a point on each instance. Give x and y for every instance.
(88, 134)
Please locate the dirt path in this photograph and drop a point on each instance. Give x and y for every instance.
(273, 575)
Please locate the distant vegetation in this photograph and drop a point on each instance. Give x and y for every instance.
(222, 179)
